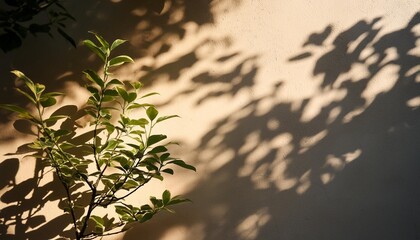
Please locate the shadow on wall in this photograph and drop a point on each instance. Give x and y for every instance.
(349, 171)
(55, 65)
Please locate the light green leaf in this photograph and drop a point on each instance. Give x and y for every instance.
(140, 122)
(99, 222)
(28, 82)
(116, 61)
(116, 43)
(160, 119)
(150, 94)
(101, 40)
(98, 51)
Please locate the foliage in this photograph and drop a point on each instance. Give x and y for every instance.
(112, 161)
(20, 17)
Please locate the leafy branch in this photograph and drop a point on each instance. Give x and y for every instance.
(121, 155)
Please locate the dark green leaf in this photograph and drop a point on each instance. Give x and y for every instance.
(123, 93)
(168, 170)
(151, 113)
(177, 200)
(115, 82)
(131, 97)
(48, 102)
(92, 76)
(155, 138)
(158, 149)
(146, 217)
(166, 197)
(183, 164)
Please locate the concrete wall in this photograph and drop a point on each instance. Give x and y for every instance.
(302, 117)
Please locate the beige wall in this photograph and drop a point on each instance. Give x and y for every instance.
(302, 117)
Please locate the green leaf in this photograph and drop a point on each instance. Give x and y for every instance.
(176, 200)
(146, 217)
(168, 171)
(99, 223)
(158, 149)
(137, 85)
(123, 93)
(93, 76)
(131, 97)
(48, 102)
(67, 145)
(122, 210)
(116, 61)
(116, 43)
(130, 184)
(152, 113)
(150, 94)
(28, 82)
(166, 197)
(21, 111)
(101, 40)
(164, 157)
(139, 122)
(114, 82)
(155, 139)
(160, 119)
(183, 164)
(26, 95)
(138, 105)
(98, 51)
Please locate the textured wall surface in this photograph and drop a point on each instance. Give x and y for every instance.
(302, 117)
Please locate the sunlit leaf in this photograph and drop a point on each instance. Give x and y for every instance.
(95, 49)
(101, 40)
(116, 43)
(160, 119)
(116, 61)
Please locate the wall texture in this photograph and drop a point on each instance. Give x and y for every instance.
(302, 117)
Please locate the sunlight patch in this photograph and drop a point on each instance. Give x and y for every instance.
(414, 102)
(250, 227)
